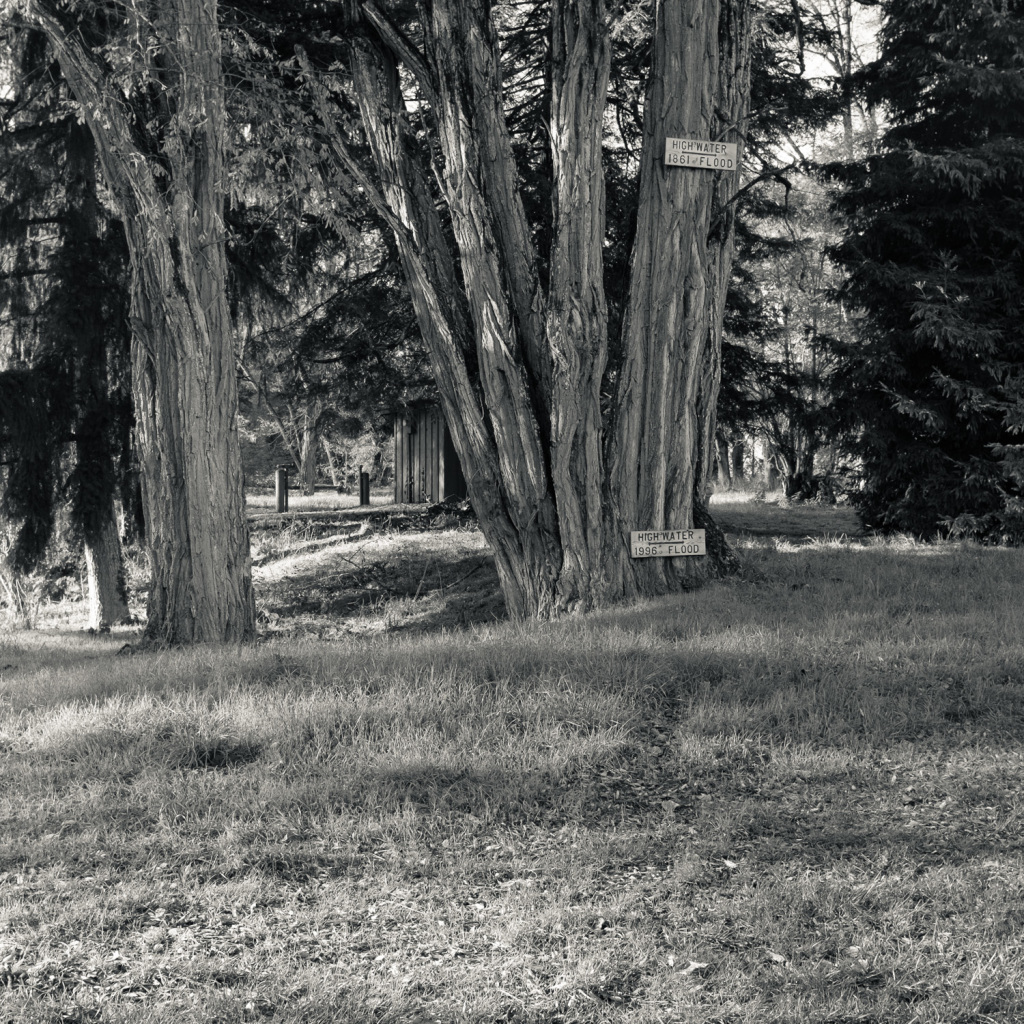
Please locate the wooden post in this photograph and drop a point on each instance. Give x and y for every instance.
(281, 488)
(364, 487)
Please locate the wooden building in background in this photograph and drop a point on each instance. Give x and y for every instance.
(426, 466)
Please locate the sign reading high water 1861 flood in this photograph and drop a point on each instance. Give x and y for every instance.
(711, 156)
(666, 543)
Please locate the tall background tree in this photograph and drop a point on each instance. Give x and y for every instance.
(785, 323)
(63, 291)
(148, 81)
(933, 251)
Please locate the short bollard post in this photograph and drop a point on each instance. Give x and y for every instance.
(281, 488)
(364, 487)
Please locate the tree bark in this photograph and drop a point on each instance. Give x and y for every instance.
(661, 452)
(169, 190)
(723, 467)
(108, 594)
(330, 463)
(519, 356)
(307, 449)
(514, 523)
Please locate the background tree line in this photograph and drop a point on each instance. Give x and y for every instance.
(331, 209)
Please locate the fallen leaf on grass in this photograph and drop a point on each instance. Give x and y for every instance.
(694, 965)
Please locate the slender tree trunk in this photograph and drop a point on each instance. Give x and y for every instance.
(108, 595)
(183, 362)
(330, 463)
(307, 451)
(95, 477)
(738, 457)
(723, 467)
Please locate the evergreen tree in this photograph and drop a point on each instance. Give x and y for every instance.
(934, 244)
(778, 317)
(66, 330)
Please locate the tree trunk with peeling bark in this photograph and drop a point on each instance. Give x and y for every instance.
(520, 357)
(662, 441)
(168, 187)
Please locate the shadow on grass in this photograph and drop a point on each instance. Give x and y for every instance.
(412, 594)
(767, 800)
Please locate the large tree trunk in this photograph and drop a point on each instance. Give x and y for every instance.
(182, 352)
(503, 462)
(661, 450)
(519, 365)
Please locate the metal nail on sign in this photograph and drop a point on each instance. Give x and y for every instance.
(666, 543)
(710, 156)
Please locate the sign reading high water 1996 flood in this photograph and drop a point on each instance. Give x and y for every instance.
(711, 156)
(666, 543)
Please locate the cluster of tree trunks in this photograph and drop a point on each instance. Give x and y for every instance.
(520, 357)
(519, 363)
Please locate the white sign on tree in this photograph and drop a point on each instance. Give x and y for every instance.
(709, 156)
(667, 543)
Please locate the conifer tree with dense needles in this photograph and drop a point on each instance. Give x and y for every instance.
(934, 250)
(66, 410)
(777, 318)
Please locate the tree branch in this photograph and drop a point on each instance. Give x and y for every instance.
(403, 48)
(344, 156)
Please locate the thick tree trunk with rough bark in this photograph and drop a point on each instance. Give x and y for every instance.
(661, 451)
(169, 191)
(520, 355)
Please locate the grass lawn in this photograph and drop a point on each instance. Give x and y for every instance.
(789, 797)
